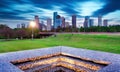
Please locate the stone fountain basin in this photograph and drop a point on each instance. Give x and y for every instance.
(113, 60)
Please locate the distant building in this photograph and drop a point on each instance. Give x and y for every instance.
(86, 22)
(27, 26)
(99, 20)
(37, 22)
(105, 22)
(22, 25)
(91, 22)
(54, 18)
(43, 26)
(74, 21)
(67, 24)
(49, 24)
(63, 22)
(58, 21)
(18, 25)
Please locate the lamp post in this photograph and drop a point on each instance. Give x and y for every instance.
(32, 24)
(79, 28)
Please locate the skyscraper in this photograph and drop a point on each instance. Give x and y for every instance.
(63, 22)
(74, 21)
(86, 22)
(99, 20)
(49, 24)
(105, 22)
(67, 24)
(37, 22)
(54, 18)
(22, 25)
(43, 26)
(91, 22)
(18, 25)
(58, 21)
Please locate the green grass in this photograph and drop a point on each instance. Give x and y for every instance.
(107, 43)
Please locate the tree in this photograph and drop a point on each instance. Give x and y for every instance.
(29, 32)
(115, 28)
(21, 33)
(6, 32)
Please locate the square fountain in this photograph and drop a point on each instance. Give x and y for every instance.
(59, 59)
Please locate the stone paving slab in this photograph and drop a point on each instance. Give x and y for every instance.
(6, 66)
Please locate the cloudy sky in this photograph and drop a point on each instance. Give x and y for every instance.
(13, 12)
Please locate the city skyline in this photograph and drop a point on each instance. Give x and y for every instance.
(16, 12)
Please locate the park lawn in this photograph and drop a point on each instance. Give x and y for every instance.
(107, 43)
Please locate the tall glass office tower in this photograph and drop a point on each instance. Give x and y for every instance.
(86, 22)
(54, 18)
(74, 21)
(99, 20)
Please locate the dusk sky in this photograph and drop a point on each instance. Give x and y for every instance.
(13, 12)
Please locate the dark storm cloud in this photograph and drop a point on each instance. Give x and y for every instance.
(8, 8)
(70, 11)
(42, 3)
(110, 6)
(49, 4)
(10, 15)
(4, 4)
(6, 12)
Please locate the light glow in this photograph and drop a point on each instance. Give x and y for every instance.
(32, 24)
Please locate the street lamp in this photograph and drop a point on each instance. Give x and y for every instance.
(32, 24)
(79, 28)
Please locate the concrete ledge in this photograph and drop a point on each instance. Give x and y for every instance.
(6, 66)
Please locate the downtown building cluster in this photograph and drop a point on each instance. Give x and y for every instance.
(89, 22)
(60, 22)
(53, 24)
